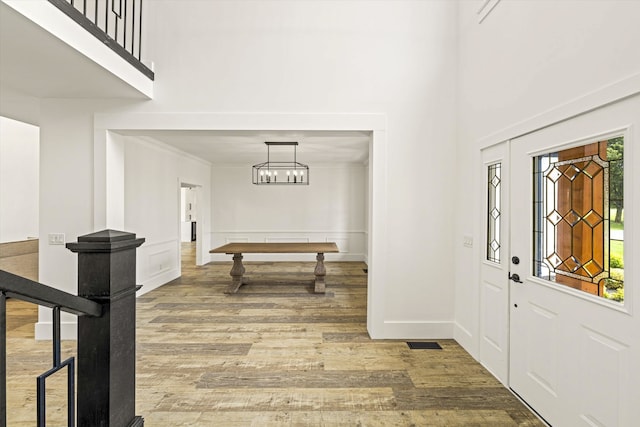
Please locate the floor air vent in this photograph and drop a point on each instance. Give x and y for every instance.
(424, 346)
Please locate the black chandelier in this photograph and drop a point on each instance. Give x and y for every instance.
(281, 173)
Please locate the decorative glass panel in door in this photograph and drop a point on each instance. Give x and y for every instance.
(579, 218)
(494, 209)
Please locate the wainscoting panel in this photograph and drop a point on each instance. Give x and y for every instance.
(287, 239)
(342, 242)
(237, 239)
(157, 264)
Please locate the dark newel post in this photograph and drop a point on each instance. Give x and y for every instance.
(106, 344)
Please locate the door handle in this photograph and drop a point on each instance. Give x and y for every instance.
(515, 277)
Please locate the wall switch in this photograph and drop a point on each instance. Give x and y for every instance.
(56, 238)
(467, 241)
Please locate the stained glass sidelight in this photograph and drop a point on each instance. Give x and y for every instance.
(578, 211)
(493, 212)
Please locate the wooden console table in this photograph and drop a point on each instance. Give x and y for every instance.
(237, 249)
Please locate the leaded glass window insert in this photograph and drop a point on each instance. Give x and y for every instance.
(579, 218)
(493, 212)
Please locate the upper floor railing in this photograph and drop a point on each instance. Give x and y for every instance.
(106, 311)
(117, 23)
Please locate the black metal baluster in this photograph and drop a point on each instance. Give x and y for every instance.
(133, 28)
(140, 34)
(95, 12)
(116, 15)
(41, 402)
(124, 24)
(57, 365)
(71, 392)
(106, 17)
(56, 337)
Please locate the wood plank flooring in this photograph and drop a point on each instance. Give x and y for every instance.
(274, 354)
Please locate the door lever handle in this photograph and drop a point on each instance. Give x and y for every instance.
(515, 277)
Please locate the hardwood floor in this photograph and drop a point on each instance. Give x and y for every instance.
(275, 354)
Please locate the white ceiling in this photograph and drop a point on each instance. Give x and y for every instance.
(248, 147)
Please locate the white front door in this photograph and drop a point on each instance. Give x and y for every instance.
(574, 354)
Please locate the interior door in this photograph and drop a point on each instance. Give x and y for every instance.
(494, 284)
(573, 348)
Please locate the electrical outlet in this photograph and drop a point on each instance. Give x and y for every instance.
(56, 238)
(467, 241)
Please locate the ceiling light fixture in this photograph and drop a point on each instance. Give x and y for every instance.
(281, 173)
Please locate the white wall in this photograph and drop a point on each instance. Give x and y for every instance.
(331, 208)
(153, 174)
(525, 59)
(66, 196)
(19, 174)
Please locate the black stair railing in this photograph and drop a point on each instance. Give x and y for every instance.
(117, 23)
(26, 290)
(105, 308)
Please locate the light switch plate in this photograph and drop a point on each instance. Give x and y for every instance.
(56, 238)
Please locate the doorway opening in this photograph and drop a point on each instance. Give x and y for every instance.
(188, 222)
(374, 234)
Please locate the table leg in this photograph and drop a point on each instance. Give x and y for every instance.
(237, 271)
(320, 273)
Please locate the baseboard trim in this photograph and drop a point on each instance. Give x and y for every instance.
(399, 329)
(157, 281)
(466, 340)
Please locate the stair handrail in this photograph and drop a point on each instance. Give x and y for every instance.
(24, 289)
